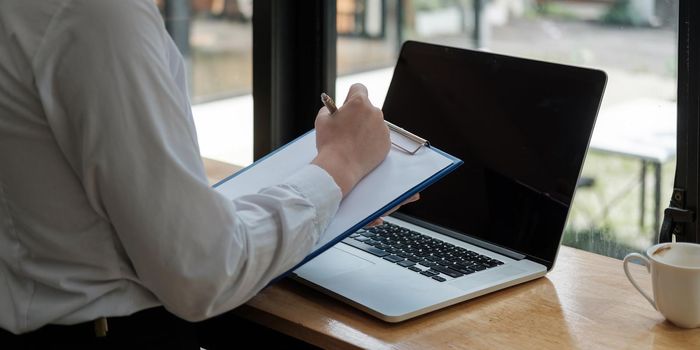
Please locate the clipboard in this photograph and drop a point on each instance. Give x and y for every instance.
(411, 165)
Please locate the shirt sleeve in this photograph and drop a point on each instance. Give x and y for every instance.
(105, 78)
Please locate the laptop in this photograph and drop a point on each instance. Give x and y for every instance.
(522, 128)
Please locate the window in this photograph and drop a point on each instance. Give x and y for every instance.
(215, 37)
(628, 173)
(618, 206)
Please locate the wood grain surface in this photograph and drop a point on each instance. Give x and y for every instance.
(586, 302)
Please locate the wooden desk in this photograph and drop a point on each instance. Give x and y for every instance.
(586, 302)
(217, 171)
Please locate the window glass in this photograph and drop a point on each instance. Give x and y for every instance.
(215, 37)
(627, 177)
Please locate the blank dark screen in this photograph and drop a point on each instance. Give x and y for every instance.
(521, 127)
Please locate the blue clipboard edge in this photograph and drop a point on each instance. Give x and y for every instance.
(456, 162)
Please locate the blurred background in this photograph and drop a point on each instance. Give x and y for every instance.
(628, 174)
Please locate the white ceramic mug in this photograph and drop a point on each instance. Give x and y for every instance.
(675, 280)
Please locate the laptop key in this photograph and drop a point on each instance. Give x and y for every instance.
(448, 271)
(393, 258)
(410, 249)
(462, 264)
(428, 264)
(368, 248)
(415, 259)
(405, 263)
(465, 271)
(439, 279)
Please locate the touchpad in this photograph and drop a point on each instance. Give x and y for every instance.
(331, 263)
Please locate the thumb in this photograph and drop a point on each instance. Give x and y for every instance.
(356, 89)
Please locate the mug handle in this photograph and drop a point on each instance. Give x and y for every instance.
(644, 261)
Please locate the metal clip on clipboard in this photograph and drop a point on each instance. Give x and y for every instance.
(405, 140)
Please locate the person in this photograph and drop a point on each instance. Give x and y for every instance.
(107, 223)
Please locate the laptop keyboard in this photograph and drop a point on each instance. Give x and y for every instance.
(420, 253)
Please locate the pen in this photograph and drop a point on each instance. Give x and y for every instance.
(330, 104)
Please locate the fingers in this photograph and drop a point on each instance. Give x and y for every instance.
(356, 90)
(323, 112)
(379, 221)
(376, 222)
(394, 209)
(353, 141)
(412, 199)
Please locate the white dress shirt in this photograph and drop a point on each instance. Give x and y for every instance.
(104, 206)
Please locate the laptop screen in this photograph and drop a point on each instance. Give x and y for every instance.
(522, 128)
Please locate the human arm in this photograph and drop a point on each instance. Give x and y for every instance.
(112, 88)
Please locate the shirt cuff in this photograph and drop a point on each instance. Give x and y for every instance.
(316, 185)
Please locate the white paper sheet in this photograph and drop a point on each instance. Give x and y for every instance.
(396, 175)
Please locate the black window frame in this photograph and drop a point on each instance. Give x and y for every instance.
(294, 58)
(679, 217)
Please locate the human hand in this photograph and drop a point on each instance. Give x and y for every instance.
(352, 141)
(379, 221)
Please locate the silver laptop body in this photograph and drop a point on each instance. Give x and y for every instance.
(522, 128)
(394, 293)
